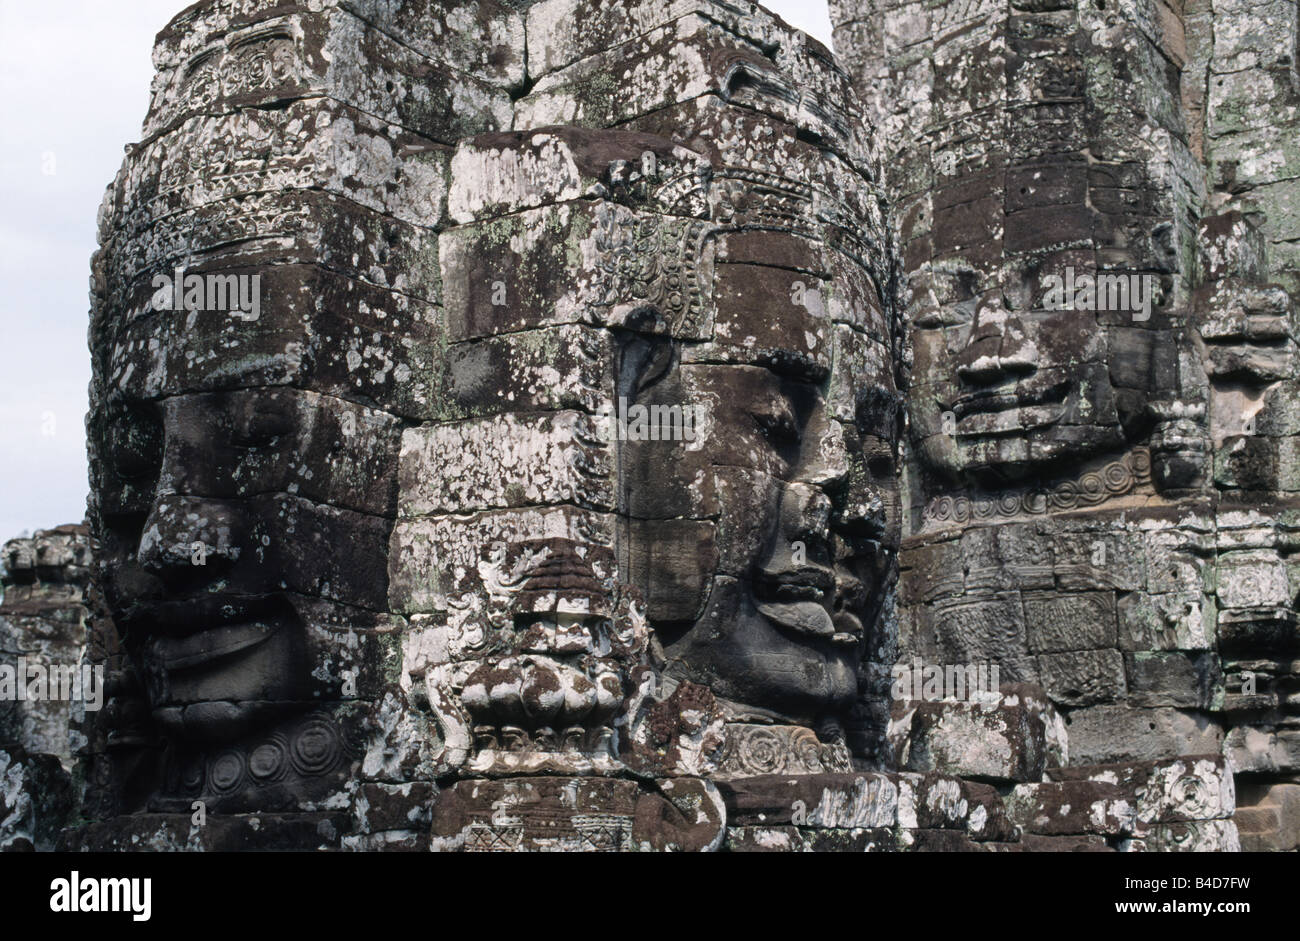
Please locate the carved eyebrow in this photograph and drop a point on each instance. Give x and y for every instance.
(798, 367)
(778, 414)
(781, 407)
(945, 315)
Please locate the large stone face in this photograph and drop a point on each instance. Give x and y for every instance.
(1098, 495)
(245, 455)
(671, 338)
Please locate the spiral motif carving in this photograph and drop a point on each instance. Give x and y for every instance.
(761, 752)
(269, 761)
(227, 772)
(1115, 479)
(1194, 797)
(315, 748)
(753, 750)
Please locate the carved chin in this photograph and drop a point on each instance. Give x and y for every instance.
(220, 683)
(782, 659)
(216, 722)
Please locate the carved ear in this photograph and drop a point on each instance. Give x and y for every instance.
(643, 361)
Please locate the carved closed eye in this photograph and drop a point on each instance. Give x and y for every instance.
(936, 318)
(779, 427)
(134, 446)
(260, 429)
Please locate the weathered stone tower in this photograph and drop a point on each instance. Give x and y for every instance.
(1102, 497)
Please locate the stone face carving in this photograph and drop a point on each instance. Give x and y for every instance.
(245, 458)
(499, 412)
(1060, 522)
(1099, 495)
(697, 512)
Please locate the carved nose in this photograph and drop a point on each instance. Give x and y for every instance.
(997, 352)
(183, 534)
(805, 513)
(824, 461)
(186, 466)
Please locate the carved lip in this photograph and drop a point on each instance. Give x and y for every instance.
(795, 600)
(993, 401)
(848, 629)
(193, 650)
(182, 617)
(806, 583)
(801, 617)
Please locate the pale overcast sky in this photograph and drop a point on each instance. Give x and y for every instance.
(74, 87)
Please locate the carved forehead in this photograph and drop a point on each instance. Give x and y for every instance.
(312, 329)
(564, 226)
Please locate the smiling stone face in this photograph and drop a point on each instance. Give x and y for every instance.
(244, 456)
(768, 626)
(697, 422)
(760, 546)
(220, 509)
(243, 504)
(1001, 392)
(719, 255)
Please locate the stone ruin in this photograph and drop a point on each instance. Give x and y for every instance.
(583, 425)
(44, 612)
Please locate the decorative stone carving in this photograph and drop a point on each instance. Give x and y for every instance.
(245, 459)
(1080, 478)
(661, 249)
(778, 749)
